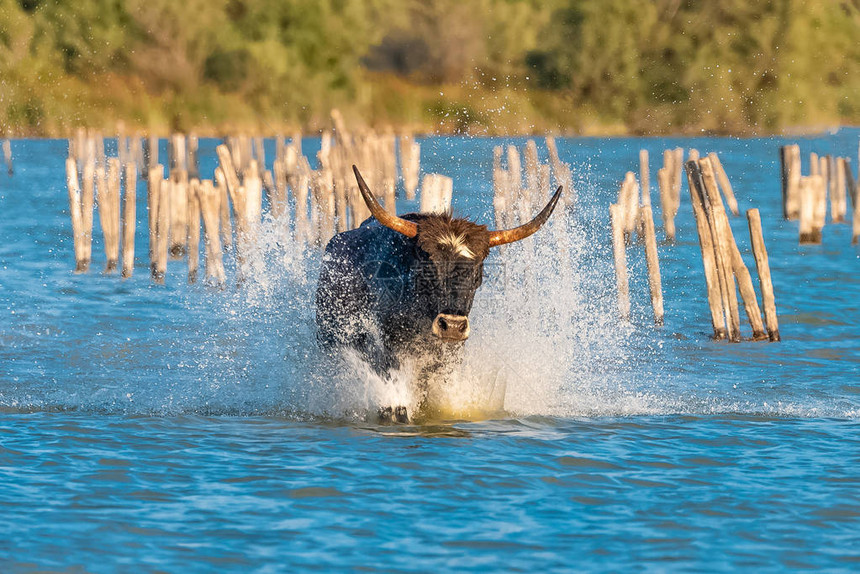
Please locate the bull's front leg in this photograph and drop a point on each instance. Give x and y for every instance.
(393, 415)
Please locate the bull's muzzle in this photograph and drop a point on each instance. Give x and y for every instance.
(451, 327)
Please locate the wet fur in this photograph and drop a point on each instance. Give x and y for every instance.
(439, 235)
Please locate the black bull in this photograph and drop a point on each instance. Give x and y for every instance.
(405, 284)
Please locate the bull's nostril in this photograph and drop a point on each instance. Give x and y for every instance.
(463, 327)
(443, 324)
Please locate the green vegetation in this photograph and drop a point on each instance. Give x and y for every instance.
(478, 66)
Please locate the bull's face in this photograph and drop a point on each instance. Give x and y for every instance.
(451, 272)
(452, 268)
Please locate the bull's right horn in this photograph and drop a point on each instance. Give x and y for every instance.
(510, 235)
(398, 224)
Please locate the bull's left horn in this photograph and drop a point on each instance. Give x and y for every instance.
(510, 235)
(398, 224)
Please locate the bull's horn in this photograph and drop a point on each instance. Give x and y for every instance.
(510, 235)
(398, 224)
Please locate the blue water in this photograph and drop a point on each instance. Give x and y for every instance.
(179, 428)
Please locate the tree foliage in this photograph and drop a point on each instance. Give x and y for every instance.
(658, 65)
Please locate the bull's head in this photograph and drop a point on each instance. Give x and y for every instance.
(457, 249)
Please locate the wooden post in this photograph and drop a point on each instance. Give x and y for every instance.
(224, 208)
(260, 155)
(193, 229)
(807, 211)
(724, 183)
(165, 195)
(300, 189)
(192, 157)
(666, 203)
(151, 151)
(108, 188)
(253, 199)
(561, 172)
(706, 244)
(154, 180)
(720, 232)
(821, 196)
(210, 203)
(628, 201)
(179, 208)
(278, 205)
(791, 182)
(75, 211)
(428, 194)
(410, 153)
(645, 178)
(763, 267)
(87, 206)
(7, 156)
(814, 164)
(838, 201)
(532, 170)
(652, 262)
(820, 203)
(500, 189)
(129, 220)
(616, 220)
(515, 176)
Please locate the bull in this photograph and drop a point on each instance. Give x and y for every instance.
(404, 286)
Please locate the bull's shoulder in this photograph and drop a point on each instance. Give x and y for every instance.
(370, 242)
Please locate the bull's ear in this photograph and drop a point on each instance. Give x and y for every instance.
(398, 224)
(510, 235)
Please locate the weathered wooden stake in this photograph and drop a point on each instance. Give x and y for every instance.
(652, 262)
(838, 200)
(210, 202)
(763, 267)
(87, 206)
(616, 217)
(807, 210)
(7, 156)
(667, 207)
(224, 208)
(81, 264)
(706, 244)
(724, 183)
(165, 196)
(179, 206)
(193, 229)
(155, 177)
(645, 177)
(129, 219)
(719, 231)
(791, 182)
